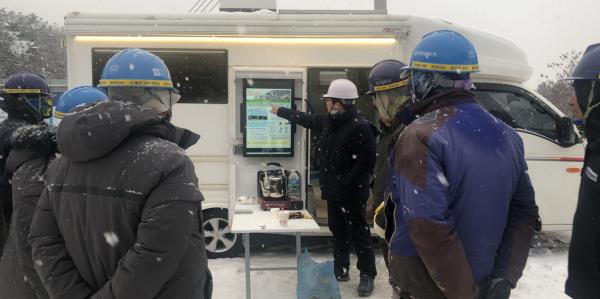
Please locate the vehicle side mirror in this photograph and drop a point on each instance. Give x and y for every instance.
(566, 131)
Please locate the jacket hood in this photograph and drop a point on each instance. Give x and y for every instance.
(93, 131)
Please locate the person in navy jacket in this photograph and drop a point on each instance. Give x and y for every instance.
(465, 209)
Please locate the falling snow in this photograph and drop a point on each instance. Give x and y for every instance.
(442, 179)
(111, 238)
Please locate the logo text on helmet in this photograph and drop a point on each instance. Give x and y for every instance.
(427, 54)
(156, 72)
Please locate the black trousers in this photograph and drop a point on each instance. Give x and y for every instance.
(349, 228)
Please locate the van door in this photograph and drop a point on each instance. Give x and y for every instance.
(554, 167)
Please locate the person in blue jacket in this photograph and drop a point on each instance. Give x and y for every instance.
(465, 208)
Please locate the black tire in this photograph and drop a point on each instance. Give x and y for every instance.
(218, 238)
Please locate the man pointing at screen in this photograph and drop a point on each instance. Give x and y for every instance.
(347, 158)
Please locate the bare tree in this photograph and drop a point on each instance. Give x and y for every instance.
(556, 90)
(30, 44)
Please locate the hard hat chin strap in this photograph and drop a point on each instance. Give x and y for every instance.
(591, 106)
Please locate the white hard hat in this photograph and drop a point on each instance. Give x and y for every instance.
(342, 89)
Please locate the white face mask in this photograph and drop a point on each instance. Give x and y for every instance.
(334, 111)
(160, 100)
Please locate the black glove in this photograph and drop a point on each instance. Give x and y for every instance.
(498, 288)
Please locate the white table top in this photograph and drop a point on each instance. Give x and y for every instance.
(254, 220)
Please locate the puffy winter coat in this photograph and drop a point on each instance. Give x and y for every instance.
(18, 116)
(32, 148)
(120, 216)
(584, 252)
(465, 206)
(347, 153)
(385, 143)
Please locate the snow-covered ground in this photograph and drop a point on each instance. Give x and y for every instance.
(544, 275)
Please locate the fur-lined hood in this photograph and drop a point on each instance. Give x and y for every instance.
(30, 142)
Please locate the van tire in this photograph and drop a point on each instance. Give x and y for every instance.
(219, 241)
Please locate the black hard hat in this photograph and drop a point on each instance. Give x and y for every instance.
(26, 83)
(585, 76)
(388, 74)
(588, 67)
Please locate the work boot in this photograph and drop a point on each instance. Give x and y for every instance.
(365, 286)
(341, 273)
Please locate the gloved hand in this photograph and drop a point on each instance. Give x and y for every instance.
(498, 288)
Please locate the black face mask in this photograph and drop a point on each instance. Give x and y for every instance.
(582, 93)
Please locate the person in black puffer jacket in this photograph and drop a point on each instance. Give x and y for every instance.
(121, 213)
(347, 158)
(26, 99)
(584, 252)
(27, 146)
(32, 149)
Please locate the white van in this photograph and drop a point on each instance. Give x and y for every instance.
(214, 57)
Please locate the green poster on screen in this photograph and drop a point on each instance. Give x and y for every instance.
(266, 133)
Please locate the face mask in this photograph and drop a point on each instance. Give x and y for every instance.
(584, 92)
(389, 102)
(54, 121)
(425, 84)
(334, 111)
(40, 104)
(421, 84)
(159, 100)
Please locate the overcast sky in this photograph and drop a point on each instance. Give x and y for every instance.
(543, 28)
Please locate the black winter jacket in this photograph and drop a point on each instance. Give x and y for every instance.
(32, 148)
(18, 116)
(385, 143)
(120, 216)
(347, 153)
(584, 252)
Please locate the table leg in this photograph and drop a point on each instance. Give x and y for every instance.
(246, 237)
(298, 248)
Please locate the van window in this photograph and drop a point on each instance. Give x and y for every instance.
(320, 78)
(199, 75)
(518, 108)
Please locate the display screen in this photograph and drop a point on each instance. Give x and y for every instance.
(265, 133)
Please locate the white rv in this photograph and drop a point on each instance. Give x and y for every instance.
(215, 58)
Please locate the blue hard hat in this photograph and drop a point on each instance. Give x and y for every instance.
(75, 97)
(388, 74)
(445, 51)
(135, 68)
(588, 67)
